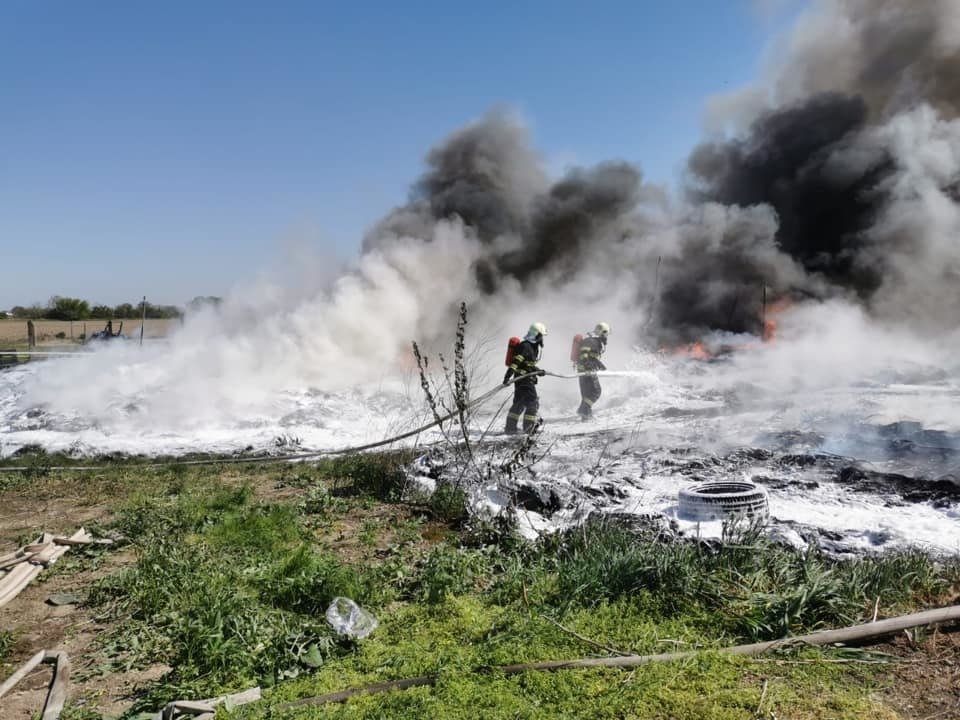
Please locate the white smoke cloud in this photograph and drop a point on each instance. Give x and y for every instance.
(915, 238)
(894, 54)
(487, 225)
(239, 360)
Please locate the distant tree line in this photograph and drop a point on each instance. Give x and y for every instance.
(66, 308)
(202, 301)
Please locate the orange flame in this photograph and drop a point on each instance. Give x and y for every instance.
(406, 360)
(693, 351)
(773, 313)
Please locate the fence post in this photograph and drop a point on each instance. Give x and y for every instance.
(31, 335)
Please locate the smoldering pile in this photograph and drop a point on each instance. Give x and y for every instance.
(901, 489)
(838, 177)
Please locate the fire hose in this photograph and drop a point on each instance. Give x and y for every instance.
(341, 451)
(308, 455)
(597, 373)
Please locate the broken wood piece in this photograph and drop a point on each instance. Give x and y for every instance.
(236, 699)
(19, 552)
(6, 564)
(16, 580)
(192, 707)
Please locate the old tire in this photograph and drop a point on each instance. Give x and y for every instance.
(723, 500)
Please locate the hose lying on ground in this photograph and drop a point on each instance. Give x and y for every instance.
(57, 693)
(853, 634)
(23, 565)
(292, 456)
(320, 453)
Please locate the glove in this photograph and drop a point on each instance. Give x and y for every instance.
(506, 378)
(541, 372)
(601, 366)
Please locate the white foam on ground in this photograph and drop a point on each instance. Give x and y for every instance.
(90, 406)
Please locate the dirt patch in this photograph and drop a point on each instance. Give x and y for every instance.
(37, 625)
(61, 505)
(926, 683)
(31, 516)
(369, 534)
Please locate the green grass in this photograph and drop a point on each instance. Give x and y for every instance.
(229, 589)
(460, 637)
(752, 589)
(6, 644)
(378, 475)
(225, 590)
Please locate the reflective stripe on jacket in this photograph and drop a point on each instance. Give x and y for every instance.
(591, 348)
(525, 360)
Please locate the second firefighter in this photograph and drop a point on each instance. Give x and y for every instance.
(526, 403)
(592, 347)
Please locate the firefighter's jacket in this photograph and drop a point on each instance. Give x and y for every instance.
(525, 359)
(591, 348)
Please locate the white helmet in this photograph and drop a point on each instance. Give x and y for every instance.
(602, 329)
(537, 330)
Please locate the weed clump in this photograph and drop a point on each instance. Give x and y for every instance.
(752, 588)
(224, 590)
(379, 475)
(6, 644)
(186, 508)
(305, 582)
(449, 571)
(448, 503)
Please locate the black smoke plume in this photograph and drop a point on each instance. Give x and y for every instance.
(571, 217)
(802, 162)
(824, 159)
(487, 176)
(828, 189)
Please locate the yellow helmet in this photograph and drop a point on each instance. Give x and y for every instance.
(602, 329)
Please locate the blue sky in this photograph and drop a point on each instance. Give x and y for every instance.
(177, 148)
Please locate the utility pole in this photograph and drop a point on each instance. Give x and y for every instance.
(143, 317)
(763, 314)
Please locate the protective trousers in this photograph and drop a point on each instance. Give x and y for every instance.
(589, 394)
(526, 405)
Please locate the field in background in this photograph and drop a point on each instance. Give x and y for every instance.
(14, 332)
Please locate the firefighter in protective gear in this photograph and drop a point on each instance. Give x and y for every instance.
(591, 348)
(526, 403)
